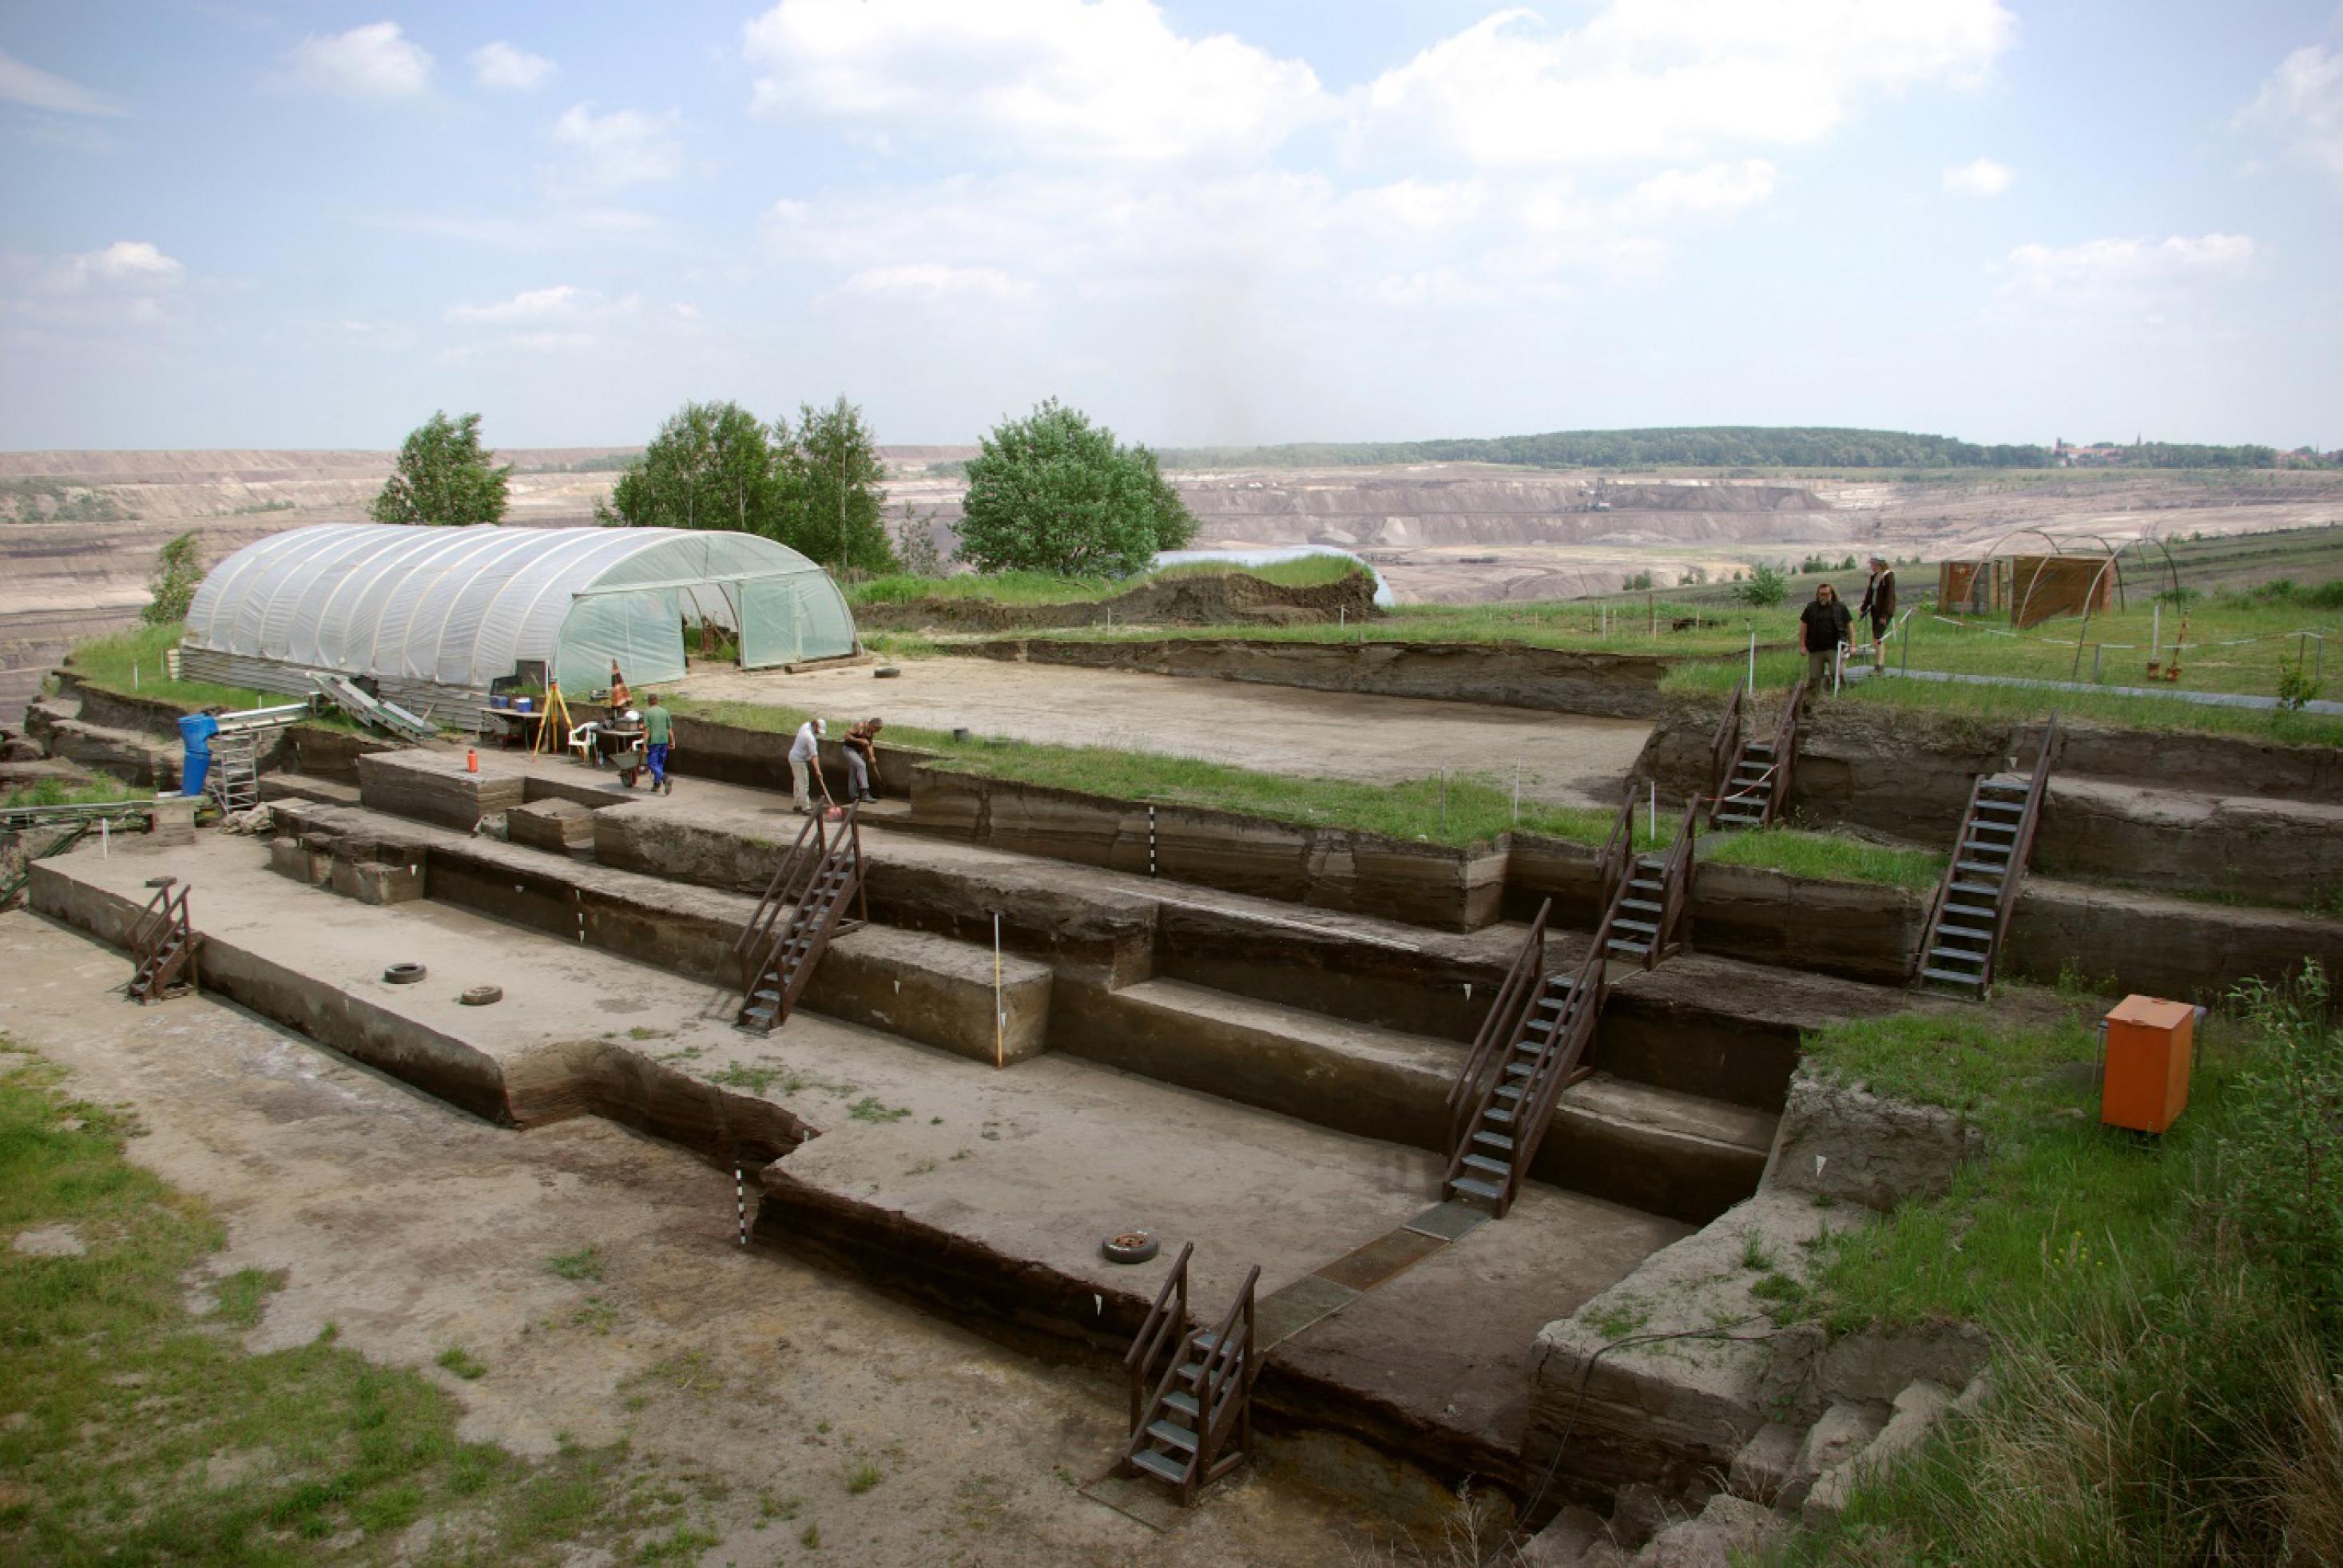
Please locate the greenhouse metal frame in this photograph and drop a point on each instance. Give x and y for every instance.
(451, 610)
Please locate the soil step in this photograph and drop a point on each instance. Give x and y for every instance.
(1659, 1150)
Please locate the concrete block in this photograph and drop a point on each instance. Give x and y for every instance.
(174, 819)
(291, 857)
(373, 882)
(1730, 1529)
(435, 786)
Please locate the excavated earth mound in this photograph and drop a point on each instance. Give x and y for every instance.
(1186, 600)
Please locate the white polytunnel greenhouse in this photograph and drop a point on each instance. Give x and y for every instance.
(441, 614)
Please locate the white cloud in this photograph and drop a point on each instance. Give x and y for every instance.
(561, 300)
(1066, 80)
(507, 69)
(1670, 79)
(625, 147)
(1980, 177)
(134, 265)
(935, 281)
(1711, 188)
(376, 61)
(37, 89)
(2126, 273)
(2303, 102)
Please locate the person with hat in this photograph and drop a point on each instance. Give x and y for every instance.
(1879, 604)
(805, 764)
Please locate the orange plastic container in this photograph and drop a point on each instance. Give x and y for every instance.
(2150, 1042)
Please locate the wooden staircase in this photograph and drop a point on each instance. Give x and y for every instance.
(162, 946)
(1191, 1390)
(1641, 921)
(1751, 792)
(1979, 889)
(777, 951)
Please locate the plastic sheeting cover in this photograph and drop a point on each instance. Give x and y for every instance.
(1261, 558)
(458, 607)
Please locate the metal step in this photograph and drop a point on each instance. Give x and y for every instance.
(1739, 820)
(1494, 1167)
(1974, 980)
(1645, 926)
(1177, 1436)
(1983, 889)
(1185, 1403)
(1620, 944)
(2016, 806)
(1990, 870)
(1493, 1140)
(1161, 1465)
(1478, 1189)
(1981, 826)
(1958, 956)
(1639, 904)
(1758, 748)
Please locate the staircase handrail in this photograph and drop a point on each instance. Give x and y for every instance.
(1944, 895)
(1785, 752)
(1727, 743)
(1618, 852)
(846, 853)
(1675, 882)
(1565, 1044)
(2036, 790)
(1498, 1030)
(1227, 1370)
(1166, 1321)
(778, 896)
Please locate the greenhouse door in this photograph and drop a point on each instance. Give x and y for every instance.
(772, 626)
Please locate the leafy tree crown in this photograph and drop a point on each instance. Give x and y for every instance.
(1052, 492)
(444, 477)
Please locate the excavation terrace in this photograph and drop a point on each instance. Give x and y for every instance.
(1040, 1016)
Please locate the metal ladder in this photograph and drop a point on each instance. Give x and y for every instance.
(822, 873)
(1751, 793)
(162, 946)
(234, 782)
(1979, 887)
(1191, 1390)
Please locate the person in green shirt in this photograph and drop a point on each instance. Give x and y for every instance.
(659, 727)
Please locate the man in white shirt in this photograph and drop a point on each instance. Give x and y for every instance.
(805, 760)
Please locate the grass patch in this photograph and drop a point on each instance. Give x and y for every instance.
(1826, 856)
(862, 1478)
(100, 791)
(870, 1109)
(462, 1362)
(2166, 1313)
(582, 1265)
(131, 663)
(133, 1433)
(1630, 624)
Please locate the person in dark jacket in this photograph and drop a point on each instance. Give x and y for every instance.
(1879, 604)
(1823, 629)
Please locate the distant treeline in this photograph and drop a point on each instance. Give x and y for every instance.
(1706, 446)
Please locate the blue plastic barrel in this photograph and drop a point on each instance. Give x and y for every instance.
(195, 732)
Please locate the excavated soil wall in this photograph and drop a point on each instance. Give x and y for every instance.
(1185, 600)
(1508, 675)
(2179, 812)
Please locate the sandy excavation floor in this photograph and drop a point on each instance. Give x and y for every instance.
(1565, 758)
(413, 1226)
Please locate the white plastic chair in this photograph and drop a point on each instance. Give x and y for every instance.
(581, 741)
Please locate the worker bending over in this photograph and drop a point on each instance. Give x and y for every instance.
(862, 758)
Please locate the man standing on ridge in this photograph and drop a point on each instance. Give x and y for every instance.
(1879, 604)
(1823, 629)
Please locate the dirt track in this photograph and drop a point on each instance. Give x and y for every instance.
(411, 1226)
(1567, 759)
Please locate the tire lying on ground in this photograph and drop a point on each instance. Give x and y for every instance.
(482, 995)
(403, 974)
(1128, 1247)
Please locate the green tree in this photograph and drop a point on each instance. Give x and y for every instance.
(1767, 586)
(444, 477)
(177, 572)
(711, 465)
(1053, 492)
(834, 478)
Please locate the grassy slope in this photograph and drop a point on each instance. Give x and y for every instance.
(131, 662)
(2141, 1357)
(133, 1432)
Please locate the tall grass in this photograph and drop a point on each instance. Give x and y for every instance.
(131, 662)
(2163, 1384)
(1827, 856)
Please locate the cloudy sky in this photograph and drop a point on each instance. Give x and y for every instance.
(232, 226)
